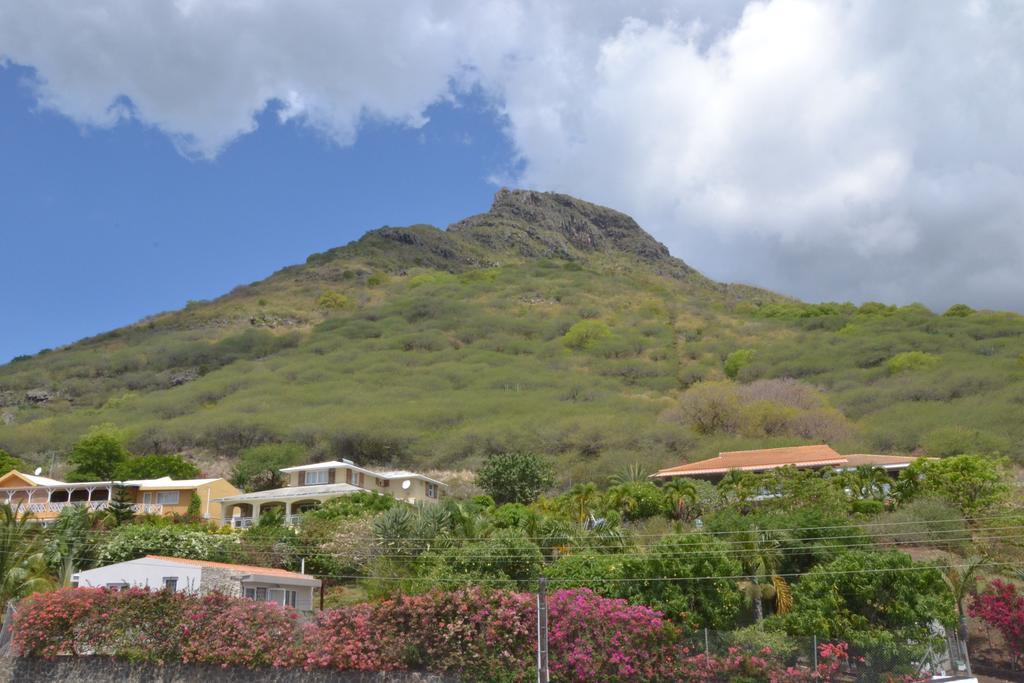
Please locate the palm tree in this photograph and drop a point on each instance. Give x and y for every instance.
(960, 581)
(581, 499)
(681, 495)
(760, 555)
(633, 472)
(737, 485)
(868, 482)
(22, 556)
(70, 545)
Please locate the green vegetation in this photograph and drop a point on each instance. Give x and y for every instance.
(98, 455)
(547, 325)
(769, 559)
(514, 477)
(154, 467)
(259, 467)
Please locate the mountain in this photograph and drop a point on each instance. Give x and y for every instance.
(548, 324)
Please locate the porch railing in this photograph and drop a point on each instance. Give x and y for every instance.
(137, 508)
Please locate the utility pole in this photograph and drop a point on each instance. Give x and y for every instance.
(542, 631)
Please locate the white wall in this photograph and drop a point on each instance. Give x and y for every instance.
(142, 573)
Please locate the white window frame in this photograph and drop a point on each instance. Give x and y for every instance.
(171, 583)
(168, 497)
(431, 490)
(317, 477)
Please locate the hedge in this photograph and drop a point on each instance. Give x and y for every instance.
(478, 634)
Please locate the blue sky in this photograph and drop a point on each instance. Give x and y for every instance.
(103, 227)
(155, 152)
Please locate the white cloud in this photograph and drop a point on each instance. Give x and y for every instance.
(831, 149)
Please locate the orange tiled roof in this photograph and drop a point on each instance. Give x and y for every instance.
(758, 460)
(251, 569)
(772, 458)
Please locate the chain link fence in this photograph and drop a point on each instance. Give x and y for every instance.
(941, 656)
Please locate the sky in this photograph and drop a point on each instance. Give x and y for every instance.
(154, 153)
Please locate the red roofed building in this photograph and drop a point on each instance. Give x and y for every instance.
(765, 459)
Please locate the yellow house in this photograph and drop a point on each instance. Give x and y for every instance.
(310, 485)
(45, 497)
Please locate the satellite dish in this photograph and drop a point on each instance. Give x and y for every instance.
(406, 484)
(39, 470)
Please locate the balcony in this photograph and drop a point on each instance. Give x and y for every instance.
(93, 506)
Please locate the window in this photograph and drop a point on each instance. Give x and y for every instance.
(383, 483)
(168, 497)
(431, 490)
(147, 498)
(282, 597)
(316, 477)
(120, 586)
(278, 595)
(171, 583)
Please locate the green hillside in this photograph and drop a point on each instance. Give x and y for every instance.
(546, 324)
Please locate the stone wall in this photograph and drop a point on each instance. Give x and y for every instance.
(107, 670)
(222, 580)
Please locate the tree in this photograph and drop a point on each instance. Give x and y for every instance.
(960, 581)
(98, 454)
(8, 462)
(738, 486)
(975, 485)
(710, 407)
(22, 556)
(637, 499)
(515, 477)
(71, 541)
(760, 553)
(681, 496)
(882, 603)
(1001, 606)
(258, 468)
(156, 466)
(695, 597)
(120, 509)
(867, 482)
(581, 500)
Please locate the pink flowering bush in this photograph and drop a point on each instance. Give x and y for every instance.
(1001, 606)
(591, 638)
(473, 633)
(218, 629)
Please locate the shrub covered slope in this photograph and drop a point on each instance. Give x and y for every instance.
(547, 324)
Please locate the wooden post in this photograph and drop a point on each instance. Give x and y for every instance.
(542, 631)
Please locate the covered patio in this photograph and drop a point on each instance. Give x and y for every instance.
(244, 510)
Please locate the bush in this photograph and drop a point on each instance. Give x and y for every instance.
(8, 462)
(585, 333)
(736, 361)
(1001, 607)
(472, 633)
(156, 466)
(333, 301)
(133, 541)
(909, 361)
(515, 477)
(867, 507)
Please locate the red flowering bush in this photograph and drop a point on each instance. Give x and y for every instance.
(218, 629)
(474, 633)
(1002, 608)
(591, 638)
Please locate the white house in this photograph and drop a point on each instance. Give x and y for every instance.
(156, 572)
(310, 485)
